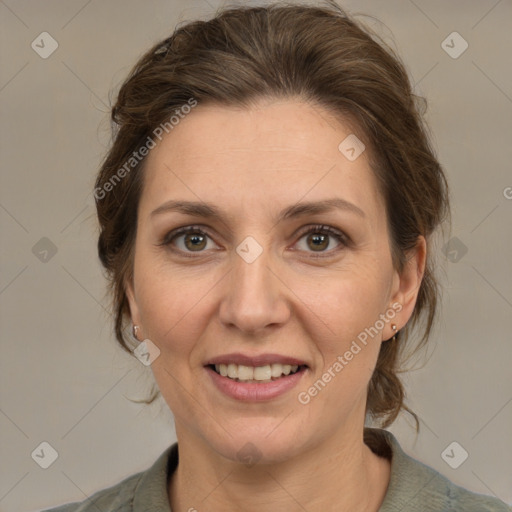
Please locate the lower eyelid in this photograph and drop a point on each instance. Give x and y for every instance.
(341, 241)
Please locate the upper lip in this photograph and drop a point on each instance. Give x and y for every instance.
(257, 360)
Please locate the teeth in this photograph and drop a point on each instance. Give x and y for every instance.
(259, 373)
(262, 372)
(277, 370)
(232, 371)
(245, 372)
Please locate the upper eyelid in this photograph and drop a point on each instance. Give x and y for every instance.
(304, 230)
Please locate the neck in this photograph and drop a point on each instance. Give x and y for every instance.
(343, 471)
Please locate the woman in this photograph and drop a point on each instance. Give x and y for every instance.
(266, 214)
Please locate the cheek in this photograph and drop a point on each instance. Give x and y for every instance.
(348, 303)
(173, 316)
(348, 341)
(350, 344)
(171, 305)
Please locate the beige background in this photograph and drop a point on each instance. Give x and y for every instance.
(62, 378)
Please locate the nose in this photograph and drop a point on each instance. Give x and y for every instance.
(255, 296)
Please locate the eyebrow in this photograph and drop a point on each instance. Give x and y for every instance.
(208, 210)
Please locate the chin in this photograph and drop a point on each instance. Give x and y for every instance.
(258, 446)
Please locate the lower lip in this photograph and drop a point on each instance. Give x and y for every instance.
(253, 392)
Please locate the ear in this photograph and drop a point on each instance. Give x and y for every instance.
(406, 284)
(132, 302)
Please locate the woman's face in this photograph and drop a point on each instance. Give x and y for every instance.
(251, 286)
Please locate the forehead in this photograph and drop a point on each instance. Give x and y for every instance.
(277, 152)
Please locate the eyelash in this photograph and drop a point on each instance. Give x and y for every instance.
(340, 237)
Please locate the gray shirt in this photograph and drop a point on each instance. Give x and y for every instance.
(413, 486)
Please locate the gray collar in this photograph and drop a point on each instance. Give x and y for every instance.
(151, 491)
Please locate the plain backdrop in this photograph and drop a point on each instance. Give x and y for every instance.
(63, 379)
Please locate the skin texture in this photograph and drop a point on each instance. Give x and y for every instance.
(252, 163)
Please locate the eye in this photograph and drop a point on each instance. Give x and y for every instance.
(319, 238)
(194, 239)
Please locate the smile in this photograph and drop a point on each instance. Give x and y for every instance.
(263, 374)
(255, 383)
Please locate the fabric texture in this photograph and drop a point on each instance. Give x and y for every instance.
(413, 486)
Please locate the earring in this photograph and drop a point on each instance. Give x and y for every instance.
(393, 326)
(134, 330)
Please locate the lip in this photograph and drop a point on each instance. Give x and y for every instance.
(252, 391)
(257, 360)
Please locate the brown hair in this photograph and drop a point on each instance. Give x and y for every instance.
(317, 54)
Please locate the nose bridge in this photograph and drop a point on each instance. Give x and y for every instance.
(253, 298)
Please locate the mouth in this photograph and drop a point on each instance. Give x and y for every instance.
(256, 377)
(256, 374)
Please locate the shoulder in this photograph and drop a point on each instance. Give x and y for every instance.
(133, 494)
(416, 487)
(112, 499)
